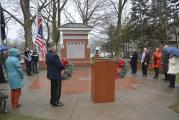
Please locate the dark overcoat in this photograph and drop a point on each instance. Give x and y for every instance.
(54, 66)
(165, 61)
(134, 59)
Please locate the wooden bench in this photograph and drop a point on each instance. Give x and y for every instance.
(3, 100)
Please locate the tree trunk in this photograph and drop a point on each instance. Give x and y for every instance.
(28, 34)
(25, 6)
(59, 24)
(119, 16)
(55, 32)
(56, 18)
(119, 24)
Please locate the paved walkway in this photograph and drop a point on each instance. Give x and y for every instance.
(136, 98)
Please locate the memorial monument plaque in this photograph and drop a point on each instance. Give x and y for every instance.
(75, 43)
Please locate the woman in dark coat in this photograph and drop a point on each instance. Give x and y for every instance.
(133, 62)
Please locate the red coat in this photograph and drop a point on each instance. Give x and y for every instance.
(157, 59)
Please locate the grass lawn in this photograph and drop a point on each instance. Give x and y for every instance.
(175, 107)
(177, 79)
(17, 116)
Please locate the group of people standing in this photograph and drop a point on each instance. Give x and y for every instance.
(31, 60)
(55, 67)
(169, 62)
(15, 74)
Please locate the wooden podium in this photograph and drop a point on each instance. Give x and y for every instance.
(103, 81)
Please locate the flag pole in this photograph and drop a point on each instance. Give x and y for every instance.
(37, 14)
(37, 48)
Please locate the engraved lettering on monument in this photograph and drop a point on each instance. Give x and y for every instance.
(75, 50)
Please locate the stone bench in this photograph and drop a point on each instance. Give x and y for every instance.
(3, 99)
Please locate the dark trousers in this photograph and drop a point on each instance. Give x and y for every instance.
(156, 72)
(134, 69)
(55, 91)
(172, 79)
(144, 68)
(166, 76)
(34, 67)
(2, 78)
(28, 68)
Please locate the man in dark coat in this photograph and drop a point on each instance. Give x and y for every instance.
(133, 62)
(165, 61)
(54, 69)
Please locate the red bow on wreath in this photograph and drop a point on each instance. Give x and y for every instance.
(64, 61)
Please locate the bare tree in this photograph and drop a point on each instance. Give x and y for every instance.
(119, 7)
(52, 14)
(70, 18)
(28, 19)
(90, 11)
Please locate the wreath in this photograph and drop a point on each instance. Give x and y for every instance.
(67, 73)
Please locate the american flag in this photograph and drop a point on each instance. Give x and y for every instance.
(39, 39)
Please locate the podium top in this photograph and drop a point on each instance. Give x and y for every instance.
(97, 60)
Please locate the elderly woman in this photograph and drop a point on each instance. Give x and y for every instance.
(145, 60)
(15, 76)
(173, 70)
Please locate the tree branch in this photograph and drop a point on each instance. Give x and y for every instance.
(63, 5)
(47, 18)
(124, 3)
(41, 7)
(81, 12)
(67, 15)
(15, 18)
(114, 6)
(92, 12)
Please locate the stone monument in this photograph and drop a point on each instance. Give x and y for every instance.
(75, 46)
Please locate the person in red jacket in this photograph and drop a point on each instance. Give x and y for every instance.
(156, 62)
(120, 68)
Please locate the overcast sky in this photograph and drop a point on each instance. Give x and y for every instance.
(15, 30)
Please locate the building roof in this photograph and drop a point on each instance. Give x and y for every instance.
(75, 25)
